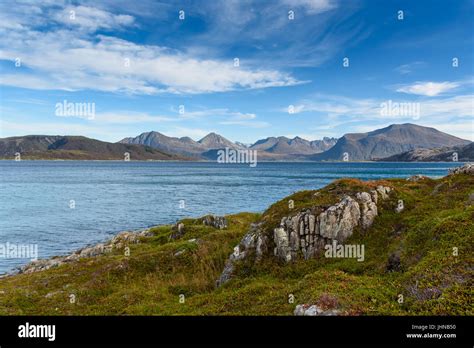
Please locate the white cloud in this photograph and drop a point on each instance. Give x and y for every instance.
(311, 6)
(429, 89)
(68, 59)
(91, 19)
(405, 69)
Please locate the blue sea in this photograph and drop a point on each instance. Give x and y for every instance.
(64, 205)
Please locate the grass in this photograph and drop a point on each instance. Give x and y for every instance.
(432, 237)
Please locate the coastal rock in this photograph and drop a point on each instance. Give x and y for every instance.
(468, 168)
(313, 310)
(368, 209)
(177, 231)
(219, 222)
(339, 220)
(253, 241)
(306, 233)
(383, 191)
(282, 248)
(116, 243)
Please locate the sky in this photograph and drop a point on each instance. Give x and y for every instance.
(244, 69)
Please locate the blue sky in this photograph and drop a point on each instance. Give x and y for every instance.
(138, 62)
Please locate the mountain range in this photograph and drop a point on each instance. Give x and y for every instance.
(76, 148)
(397, 142)
(276, 148)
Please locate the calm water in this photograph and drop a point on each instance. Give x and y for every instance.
(110, 197)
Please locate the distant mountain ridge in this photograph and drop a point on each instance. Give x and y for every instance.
(295, 146)
(443, 154)
(272, 148)
(385, 142)
(76, 148)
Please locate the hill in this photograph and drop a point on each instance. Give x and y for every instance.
(295, 146)
(183, 146)
(444, 154)
(385, 142)
(76, 148)
(417, 235)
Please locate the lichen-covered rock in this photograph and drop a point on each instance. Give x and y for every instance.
(306, 233)
(339, 220)
(282, 242)
(219, 222)
(368, 209)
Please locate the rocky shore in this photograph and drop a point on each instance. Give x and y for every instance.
(119, 242)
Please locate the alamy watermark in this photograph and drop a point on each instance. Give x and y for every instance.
(229, 155)
(81, 110)
(18, 251)
(335, 250)
(391, 108)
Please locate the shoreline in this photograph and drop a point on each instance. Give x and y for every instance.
(118, 241)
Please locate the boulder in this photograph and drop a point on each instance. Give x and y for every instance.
(313, 310)
(368, 209)
(219, 222)
(467, 168)
(177, 231)
(338, 221)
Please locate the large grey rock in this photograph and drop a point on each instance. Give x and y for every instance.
(338, 221)
(219, 222)
(306, 234)
(368, 209)
(282, 243)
